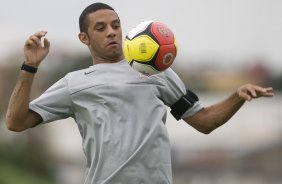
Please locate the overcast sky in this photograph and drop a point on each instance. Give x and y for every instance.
(227, 29)
(224, 29)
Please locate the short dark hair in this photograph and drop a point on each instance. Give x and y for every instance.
(83, 22)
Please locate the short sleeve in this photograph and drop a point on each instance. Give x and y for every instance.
(55, 103)
(173, 89)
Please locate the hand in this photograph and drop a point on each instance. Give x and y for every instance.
(34, 51)
(250, 91)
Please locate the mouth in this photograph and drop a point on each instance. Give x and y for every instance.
(112, 43)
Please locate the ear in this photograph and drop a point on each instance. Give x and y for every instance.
(83, 37)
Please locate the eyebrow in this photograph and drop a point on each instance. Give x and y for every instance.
(116, 20)
(102, 22)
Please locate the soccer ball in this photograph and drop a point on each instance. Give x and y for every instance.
(150, 47)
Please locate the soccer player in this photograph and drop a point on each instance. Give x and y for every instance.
(120, 113)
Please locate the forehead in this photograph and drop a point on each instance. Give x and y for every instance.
(102, 16)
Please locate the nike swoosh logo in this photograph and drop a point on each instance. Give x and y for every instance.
(86, 73)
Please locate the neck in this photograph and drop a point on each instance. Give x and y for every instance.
(98, 60)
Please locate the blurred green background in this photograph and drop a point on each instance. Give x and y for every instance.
(223, 44)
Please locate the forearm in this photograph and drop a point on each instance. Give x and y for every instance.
(19, 102)
(220, 113)
(19, 117)
(212, 117)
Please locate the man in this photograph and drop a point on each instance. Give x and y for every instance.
(120, 113)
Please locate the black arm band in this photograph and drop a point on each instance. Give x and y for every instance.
(29, 69)
(183, 104)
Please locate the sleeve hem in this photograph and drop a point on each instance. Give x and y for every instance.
(43, 116)
(193, 110)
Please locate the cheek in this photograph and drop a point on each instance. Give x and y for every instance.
(96, 45)
(94, 37)
(95, 41)
(120, 34)
(119, 37)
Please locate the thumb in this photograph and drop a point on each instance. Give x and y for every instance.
(46, 43)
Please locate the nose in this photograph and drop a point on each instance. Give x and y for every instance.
(111, 32)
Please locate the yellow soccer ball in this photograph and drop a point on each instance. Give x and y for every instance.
(150, 47)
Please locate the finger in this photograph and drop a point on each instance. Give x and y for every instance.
(265, 91)
(35, 40)
(269, 90)
(245, 96)
(37, 37)
(30, 43)
(252, 92)
(46, 43)
(257, 90)
(40, 34)
(268, 94)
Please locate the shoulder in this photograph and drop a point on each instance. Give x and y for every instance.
(167, 76)
(77, 76)
(78, 73)
(70, 79)
(170, 73)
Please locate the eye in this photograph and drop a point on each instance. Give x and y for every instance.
(116, 25)
(100, 28)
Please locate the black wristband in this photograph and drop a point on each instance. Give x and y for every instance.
(29, 69)
(183, 104)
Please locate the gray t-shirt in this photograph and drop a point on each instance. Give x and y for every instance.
(121, 117)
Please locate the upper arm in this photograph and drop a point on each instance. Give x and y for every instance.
(171, 88)
(54, 104)
(213, 116)
(31, 120)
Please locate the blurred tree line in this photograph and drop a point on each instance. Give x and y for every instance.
(25, 162)
(199, 79)
(23, 159)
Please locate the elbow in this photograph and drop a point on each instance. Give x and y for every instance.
(202, 126)
(208, 127)
(13, 126)
(206, 130)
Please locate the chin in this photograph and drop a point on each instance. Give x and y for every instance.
(116, 56)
